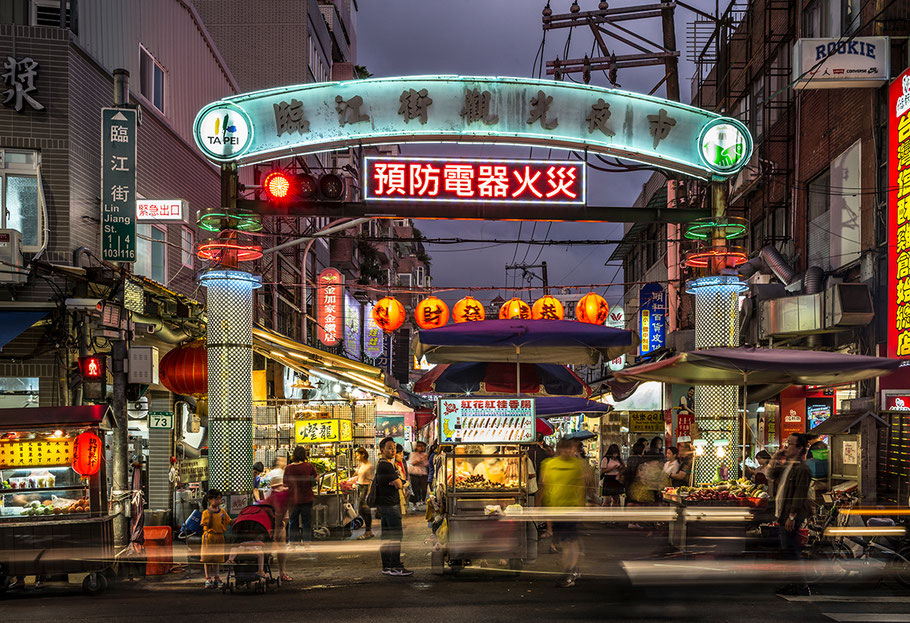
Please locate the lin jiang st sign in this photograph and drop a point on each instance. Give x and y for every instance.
(266, 125)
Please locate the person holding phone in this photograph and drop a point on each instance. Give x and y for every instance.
(388, 484)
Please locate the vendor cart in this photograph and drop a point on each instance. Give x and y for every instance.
(329, 442)
(54, 516)
(482, 480)
(709, 513)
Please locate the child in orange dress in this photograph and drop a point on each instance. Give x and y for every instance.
(215, 522)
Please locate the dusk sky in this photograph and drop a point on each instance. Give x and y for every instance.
(479, 37)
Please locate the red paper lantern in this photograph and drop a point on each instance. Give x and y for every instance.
(388, 313)
(592, 308)
(88, 451)
(468, 309)
(431, 312)
(548, 308)
(185, 370)
(514, 308)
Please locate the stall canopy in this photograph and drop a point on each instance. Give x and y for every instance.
(527, 341)
(491, 378)
(55, 417)
(306, 359)
(842, 423)
(750, 365)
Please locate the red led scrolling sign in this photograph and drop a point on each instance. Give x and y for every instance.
(899, 216)
(474, 180)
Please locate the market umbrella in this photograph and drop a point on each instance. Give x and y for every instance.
(746, 364)
(544, 427)
(491, 378)
(528, 341)
(581, 435)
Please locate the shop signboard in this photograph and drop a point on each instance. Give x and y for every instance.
(390, 426)
(193, 470)
(313, 118)
(646, 421)
(352, 326)
(896, 402)
(329, 306)
(684, 422)
(118, 185)
(372, 333)
(161, 420)
(465, 180)
(793, 422)
(32, 453)
(487, 420)
(161, 210)
(899, 217)
(652, 317)
(616, 318)
(322, 431)
(840, 63)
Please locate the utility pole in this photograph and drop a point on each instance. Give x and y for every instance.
(527, 272)
(120, 435)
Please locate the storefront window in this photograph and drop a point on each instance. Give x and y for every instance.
(22, 200)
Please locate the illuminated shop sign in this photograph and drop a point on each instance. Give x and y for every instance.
(160, 210)
(838, 63)
(322, 431)
(311, 118)
(479, 181)
(330, 306)
(899, 217)
(652, 317)
(38, 453)
(487, 420)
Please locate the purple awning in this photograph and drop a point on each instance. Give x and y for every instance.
(528, 341)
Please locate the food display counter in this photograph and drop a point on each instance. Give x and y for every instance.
(54, 516)
(329, 442)
(484, 472)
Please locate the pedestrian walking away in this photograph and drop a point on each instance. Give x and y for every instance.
(364, 472)
(564, 485)
(388, 484)
(300, 478)
(418, 469)
(792, 507)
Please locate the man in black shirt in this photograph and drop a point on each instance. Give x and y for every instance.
(388, 483)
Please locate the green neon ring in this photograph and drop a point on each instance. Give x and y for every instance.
(211, 220)
(704, 228)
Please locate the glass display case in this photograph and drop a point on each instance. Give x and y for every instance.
(40, 491)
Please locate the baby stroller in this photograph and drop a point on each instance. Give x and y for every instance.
(249, 564)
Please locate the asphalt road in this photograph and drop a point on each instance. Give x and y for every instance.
(626, 576)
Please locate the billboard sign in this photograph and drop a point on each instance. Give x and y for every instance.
(841, 64)
(330, 306)
(487, 421)
(899, 217)
(652, 317)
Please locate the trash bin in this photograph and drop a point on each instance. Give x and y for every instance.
(159, 552)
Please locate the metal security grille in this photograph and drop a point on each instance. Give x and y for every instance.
(230, 356)
(716, 407)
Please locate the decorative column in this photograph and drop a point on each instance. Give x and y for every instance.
(229, 338)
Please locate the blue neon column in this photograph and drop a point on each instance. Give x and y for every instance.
(716, 407)
(229, 340)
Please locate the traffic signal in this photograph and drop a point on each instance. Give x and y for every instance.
(283, 187)
(93, 368)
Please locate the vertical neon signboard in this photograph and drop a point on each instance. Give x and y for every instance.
(899, 216)
(329, 307)
(652, 317)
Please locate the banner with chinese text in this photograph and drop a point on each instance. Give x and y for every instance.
(489, 421)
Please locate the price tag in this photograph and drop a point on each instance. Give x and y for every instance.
(161, 419)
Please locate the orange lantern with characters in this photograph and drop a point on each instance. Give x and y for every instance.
(468, 309)
(431, 313)
(592, 308)
(514, 308)
(87, 454)
(388, 313)
(548, 308)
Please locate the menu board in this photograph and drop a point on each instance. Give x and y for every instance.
(322, 431)
(487, 421)
(44, 453)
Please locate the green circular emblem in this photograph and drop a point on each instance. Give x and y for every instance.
(223, 131)
(725, 145)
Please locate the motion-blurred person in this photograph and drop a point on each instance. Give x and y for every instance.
(258, 468)
(280, 501)
(418, 468)
(636, 458)
(683, 475)
(300, 478)
(538, 452)
(388, 484)
(611, 469)
(563, 485)
(760, 475)
(656, 447)
(671, 466)
(364, 472)
(401, 466)
(791, 501)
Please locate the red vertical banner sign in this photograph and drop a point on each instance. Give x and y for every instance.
(329, 306)
(899, 216)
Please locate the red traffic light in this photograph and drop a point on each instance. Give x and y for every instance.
(92, 368)
(277, 185)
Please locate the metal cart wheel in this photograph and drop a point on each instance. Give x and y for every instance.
(901, 566)
(516, 564)
(94, 583)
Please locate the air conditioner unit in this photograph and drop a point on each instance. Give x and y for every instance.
(12, 266)
(848, 305)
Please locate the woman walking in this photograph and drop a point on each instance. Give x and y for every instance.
(365, 472)
(611, 469)
(300, 477)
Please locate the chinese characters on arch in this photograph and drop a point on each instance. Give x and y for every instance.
(470, 180)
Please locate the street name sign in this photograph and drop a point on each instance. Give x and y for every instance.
(118, 184)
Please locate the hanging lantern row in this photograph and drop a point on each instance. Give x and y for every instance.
(432, 312)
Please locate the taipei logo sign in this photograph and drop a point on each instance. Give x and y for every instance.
(725, 145)
(223, 131)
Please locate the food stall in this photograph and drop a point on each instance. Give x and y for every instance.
(54, 516)
(484, 473)
(328, 437)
